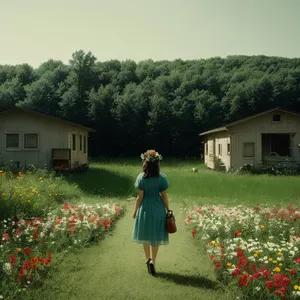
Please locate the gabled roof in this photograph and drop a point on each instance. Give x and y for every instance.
(27, 110)
(225, 127)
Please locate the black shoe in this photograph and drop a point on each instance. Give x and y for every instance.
(148, 266)
(152, 268)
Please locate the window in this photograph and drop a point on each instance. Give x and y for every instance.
(276, 118)
(73, 142)
(12, 141)
(80, 142)
(220, 149)
(84, 144)
(228, 148)
(31, 141)
(248, 149)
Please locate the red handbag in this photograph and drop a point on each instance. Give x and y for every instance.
(171, 224)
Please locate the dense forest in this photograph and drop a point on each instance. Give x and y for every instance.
(152, 104)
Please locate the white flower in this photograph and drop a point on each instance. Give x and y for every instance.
(258, 288)
(7, 268)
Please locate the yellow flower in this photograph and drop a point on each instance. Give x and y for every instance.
(270, 259)
(262, 226)
(274, 261)
(295, 287)
(279, 254)
(1, 171)
(229, 265)
(28, 201)
(280, 265)
(255, 254)
(276, 269)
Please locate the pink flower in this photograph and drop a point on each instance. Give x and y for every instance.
(5, 236)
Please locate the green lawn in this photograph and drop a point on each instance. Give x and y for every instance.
(115, 179)
(115, 269)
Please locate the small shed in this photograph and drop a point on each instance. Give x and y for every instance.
(268, 138)
(28, 137)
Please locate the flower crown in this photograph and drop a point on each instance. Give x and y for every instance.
(151, 155)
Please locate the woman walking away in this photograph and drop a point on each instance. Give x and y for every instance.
(150, 210)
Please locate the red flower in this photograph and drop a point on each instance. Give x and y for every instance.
(27, 251)
(239, 252)
(243, 280)
(46, 261)
(269, 284)
(49, 257)
(236, 272)
(238, 233)
(297, 260)
(36, 232)
(293, 271)
(217, 264)
(22, 271)
(194, 232)
(278, 292)
(12, 259)
(26, 265)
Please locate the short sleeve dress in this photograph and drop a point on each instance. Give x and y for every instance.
(150, 222)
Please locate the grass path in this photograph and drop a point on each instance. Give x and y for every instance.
(115, 269)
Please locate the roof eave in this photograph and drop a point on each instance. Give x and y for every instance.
(214, 130)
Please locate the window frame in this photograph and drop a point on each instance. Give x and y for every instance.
(276, 115)
(219, 149)
(228, 148)
(85, 144)
(80, 142)
(74, 142)
(19, 141)
(38, 141)
(252, 143)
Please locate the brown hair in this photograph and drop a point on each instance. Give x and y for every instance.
(151, 168)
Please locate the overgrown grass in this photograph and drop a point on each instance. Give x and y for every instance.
(33, 193)
(116, 179)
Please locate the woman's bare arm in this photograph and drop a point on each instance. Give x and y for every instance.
(165, 200)
(138, 202)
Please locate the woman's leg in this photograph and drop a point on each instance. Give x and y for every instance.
(147, 250)
(154, 250)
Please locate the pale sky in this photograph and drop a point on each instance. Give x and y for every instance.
(33, 31)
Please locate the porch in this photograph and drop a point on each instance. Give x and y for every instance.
(277, 148)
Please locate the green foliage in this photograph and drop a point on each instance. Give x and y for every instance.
(152, 104)
(33, 193)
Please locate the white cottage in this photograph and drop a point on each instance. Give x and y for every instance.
(28, 138)
(270, 137)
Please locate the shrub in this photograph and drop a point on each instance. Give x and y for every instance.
(33, 193)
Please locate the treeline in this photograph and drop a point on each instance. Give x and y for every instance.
(162, 105)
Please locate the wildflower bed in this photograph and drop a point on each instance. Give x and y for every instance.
(255, 249)
(37, 229)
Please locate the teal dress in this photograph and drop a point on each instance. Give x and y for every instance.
(150, 222)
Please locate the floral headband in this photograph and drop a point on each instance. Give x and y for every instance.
(151, 155)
